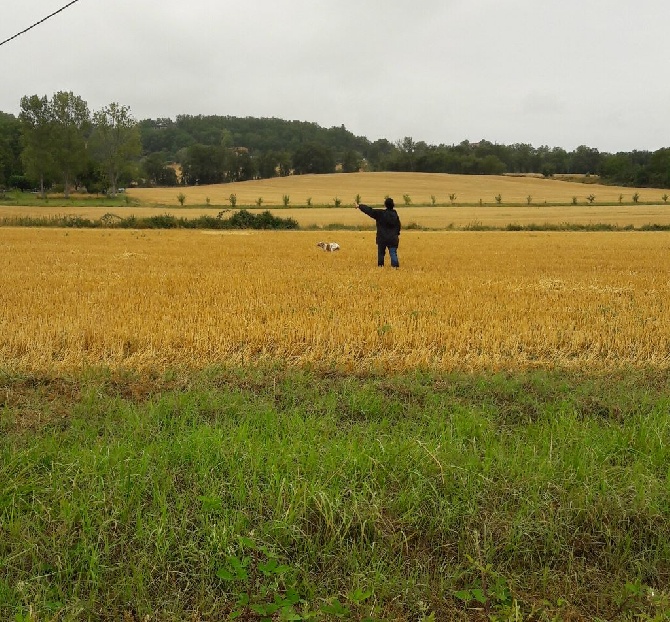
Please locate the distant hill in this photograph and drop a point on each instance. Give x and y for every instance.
(255, 134)
(276, 146)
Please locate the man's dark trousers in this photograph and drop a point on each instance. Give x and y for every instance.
(393, 252)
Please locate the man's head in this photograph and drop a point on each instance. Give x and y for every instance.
(389, 204)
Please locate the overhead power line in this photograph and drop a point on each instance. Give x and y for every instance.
(18, 34)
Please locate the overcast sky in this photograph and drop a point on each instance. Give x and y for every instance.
(546, 72)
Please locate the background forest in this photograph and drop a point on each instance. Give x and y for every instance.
(58, 144)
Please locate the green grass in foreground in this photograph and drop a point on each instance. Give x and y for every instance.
(286, 495)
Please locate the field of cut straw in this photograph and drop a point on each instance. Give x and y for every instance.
(373, 187)
(462, 300)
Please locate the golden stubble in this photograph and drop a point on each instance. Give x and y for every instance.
(374, 187)
(461, 300)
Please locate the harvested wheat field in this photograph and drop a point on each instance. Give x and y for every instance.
(373, 187)
(461, 300)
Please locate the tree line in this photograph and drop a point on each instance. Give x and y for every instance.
(58, 143)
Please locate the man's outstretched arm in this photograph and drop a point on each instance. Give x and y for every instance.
(366, 210)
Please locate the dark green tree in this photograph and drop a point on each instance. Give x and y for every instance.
(71, 127)
(204, 164)
(230, 165)
(247, 169)
(115, 142)
(618, 168)
(406, 148)
(377, 153)
(37, 136)
(659, 168)
(268, 165)
(555, 161)
(10, 149)
(585, 160)
(313, 158)
(285, 163)
(521, 158)
(157, 172)
(351, 161)
(490, 165)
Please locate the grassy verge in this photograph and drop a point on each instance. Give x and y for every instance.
(276, 494)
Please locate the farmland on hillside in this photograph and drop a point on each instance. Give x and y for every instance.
(373, 187)
(551, 201)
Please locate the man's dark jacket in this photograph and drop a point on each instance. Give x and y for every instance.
(388, 224)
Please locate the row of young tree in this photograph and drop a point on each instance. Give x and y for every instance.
(58, 141)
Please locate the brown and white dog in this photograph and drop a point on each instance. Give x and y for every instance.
(329, 246)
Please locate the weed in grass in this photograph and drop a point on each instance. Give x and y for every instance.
(260, 584)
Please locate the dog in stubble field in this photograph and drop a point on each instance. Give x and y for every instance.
(329, 246)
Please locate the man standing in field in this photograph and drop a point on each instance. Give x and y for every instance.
(388, 230)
